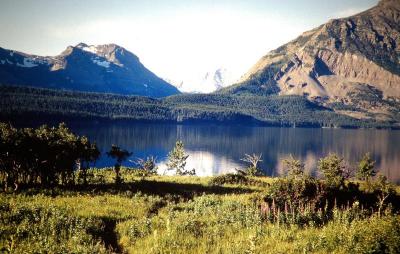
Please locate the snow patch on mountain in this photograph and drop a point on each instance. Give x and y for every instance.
(102, 63)
(91, 49)
(28, 63)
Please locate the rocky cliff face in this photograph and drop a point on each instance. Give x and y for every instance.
(350, 64)
(104, 68)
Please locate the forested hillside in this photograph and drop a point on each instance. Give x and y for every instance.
(35, 103)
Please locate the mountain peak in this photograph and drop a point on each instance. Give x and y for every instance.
(81, 45)
(110, 52)
(350, 61)
(96, 68)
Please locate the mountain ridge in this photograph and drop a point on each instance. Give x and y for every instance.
(352, 61)
(102, 68)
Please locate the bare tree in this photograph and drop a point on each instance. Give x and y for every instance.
(253, 161)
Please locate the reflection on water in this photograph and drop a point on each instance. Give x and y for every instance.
(205, 164)
(218, 149)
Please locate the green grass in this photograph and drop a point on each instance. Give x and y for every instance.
(163, 214)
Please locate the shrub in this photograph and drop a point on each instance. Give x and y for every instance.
(295, 168)
(296, 191)
(365, 168)
(230, 179)
(383, 190)
(333, 170)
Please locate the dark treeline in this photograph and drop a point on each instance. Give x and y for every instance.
(17, 102)
(43, 156)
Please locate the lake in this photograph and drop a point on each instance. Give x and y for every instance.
(215, 149)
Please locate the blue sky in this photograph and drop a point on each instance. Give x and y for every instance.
(178, 40)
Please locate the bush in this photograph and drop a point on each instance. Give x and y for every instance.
(365, 168)
(295, 168)
(296, 191)
(333, 170)
(229, 179)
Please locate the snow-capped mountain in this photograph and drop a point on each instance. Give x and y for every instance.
(210, 82)
(217, 79)
(103, 68)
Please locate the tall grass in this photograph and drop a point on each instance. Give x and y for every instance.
(161, 214)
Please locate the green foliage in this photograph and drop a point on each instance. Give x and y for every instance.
(295, 168)
(88, 153)
(42, 156)
(371, 235)
(177, 160)
(37, 228)
(296, 191)
(365, 168)
(332, 168)
(230, 179)
(34, 103)
(165, 214)
(383, 190)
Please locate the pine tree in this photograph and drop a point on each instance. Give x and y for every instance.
(177, 160)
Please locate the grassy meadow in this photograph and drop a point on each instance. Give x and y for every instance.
(189, 214)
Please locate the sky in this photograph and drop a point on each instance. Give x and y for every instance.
(177, 40)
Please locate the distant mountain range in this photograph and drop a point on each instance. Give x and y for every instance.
(350, 65)
(209, 82)
(105, 68)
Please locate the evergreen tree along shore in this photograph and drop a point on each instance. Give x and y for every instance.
(51, 201)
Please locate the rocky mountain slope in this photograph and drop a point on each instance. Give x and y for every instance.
(349, 64)
(104, 68)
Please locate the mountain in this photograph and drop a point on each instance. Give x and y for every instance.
(350, 65)
(103, 68)
(218, 79)
(209, 82)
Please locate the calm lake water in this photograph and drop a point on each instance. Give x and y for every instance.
(217, 149)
